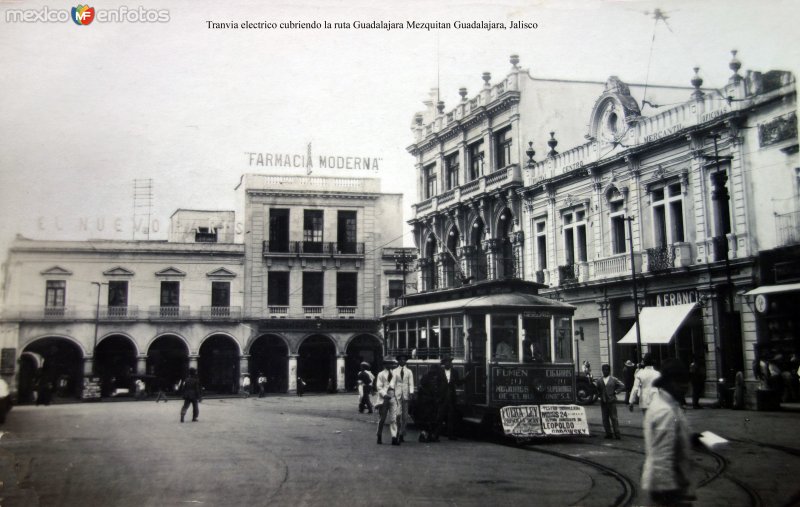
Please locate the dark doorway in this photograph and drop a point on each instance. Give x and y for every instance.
(115, 363)
(316, 363)
(61, 373)
(270, 355)
(218, 365)
(168, 361)
(361, 348)
(29, 364)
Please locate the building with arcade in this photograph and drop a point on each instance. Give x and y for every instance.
(299, 295)
(691, 190)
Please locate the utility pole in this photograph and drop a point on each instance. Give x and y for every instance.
(402, 261)
(635, 292)
(96, 324)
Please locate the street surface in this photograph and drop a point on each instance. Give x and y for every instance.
(318, 450)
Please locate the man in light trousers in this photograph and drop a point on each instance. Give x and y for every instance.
(404, 379)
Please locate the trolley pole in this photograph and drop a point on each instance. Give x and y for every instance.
(635, 292)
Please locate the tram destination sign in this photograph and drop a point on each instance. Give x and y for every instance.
(525, 384)
(526, 421)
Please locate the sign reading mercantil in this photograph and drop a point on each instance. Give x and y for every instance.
(563, 420)
(521, 421)
(308, 161)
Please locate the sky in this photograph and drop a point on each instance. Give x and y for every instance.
(86, 110)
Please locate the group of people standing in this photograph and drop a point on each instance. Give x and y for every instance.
(394, 388)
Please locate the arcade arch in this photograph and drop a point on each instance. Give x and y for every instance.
(316, 363)
(269, 355)
(218, 364)
(362, 348)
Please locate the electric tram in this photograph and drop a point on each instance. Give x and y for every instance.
(512, 347)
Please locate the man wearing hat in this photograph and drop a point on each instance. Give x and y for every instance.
(365, 380)
(192, 394)
(404, 378)
(386, 385)
(447, 413)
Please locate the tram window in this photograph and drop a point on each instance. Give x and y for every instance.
(445, 335)
(504, 338)
(433, 335)
(399, 330)
(412, 335)
(563, 339)
(536, 343)
(457, 337)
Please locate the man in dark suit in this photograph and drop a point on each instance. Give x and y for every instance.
(607, 388)
(192, 394)
(447, 411)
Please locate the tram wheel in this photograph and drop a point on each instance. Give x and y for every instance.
(584, 395)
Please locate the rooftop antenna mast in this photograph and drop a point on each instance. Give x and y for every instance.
(142, 206)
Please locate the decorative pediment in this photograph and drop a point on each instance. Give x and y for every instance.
(118, 271)
(56, 271)
(170, 271)
(221, 273)
(613, 113)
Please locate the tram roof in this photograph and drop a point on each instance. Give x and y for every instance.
(516, 301)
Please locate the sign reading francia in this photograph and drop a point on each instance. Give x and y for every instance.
(307, 161)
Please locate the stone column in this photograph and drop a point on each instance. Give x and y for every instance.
(292, 373)
(193, 361)
(141, 365)
(244, 364)
(490, 247)
(340, 374)
(88, 366)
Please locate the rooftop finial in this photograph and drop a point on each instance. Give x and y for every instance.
(735, 65)
(552, 143)
(440, 106)
(514, 59)
(697, 82)
(463, 92)
(530, 153)
(487, 76)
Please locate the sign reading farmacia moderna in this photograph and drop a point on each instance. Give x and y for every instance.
(308, 161)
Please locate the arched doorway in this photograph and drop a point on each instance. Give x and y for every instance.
(168, 361)
(428, 265)
(29, 365)
(270, 355)
(61, 371)
(452, 272)
(505, 249)
(361, 348)
(477, 262)
(218, 365)
(115, 363)
(316, 363)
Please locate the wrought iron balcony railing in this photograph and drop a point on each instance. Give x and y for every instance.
(169, 312)
(221, 312)
(119, 312)
(568, 273)
(660, 258)
(279, 247)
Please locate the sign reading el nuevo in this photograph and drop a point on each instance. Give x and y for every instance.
(308, 161)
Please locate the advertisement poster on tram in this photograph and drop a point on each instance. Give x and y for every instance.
(544, 420)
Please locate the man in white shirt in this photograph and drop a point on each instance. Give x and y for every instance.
(643, 384)
(404, 379)
(386, 385)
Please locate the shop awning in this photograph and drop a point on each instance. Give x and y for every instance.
(774, 289)
(658, 324)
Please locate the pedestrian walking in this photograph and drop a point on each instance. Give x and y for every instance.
(643, 384)
(140, 389)
(262, 385)
(385, 384)
(628, 372)
(405, 391)
(447, 412)
(697, 371)
(245, 385)
(666, 471)
(192, 395)
(366, 382)
(301, 386)
(607, 388)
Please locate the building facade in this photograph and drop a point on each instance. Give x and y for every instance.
(677, 195)
(297, 297)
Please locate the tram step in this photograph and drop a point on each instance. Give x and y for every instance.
(472, 420)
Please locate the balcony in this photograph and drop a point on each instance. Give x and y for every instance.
(660, 258)
(346, 311)
(312, 312)
(221, 312)
(169, 312)
(347, 248)
(278, 247)
(311, 248)
(568, 273)
(119, 312)
(787, 228)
